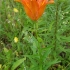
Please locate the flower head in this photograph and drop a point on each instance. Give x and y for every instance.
(15, 10)
(15, 39)
(35, 8)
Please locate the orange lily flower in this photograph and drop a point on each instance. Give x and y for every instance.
(35, 8)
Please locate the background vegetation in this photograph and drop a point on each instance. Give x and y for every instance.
(21, 49)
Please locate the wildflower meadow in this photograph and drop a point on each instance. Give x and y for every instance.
(34, 34)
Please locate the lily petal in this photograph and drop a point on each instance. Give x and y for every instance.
(35, 8)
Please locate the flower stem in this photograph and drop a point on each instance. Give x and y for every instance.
(56, 22)
(35, 29)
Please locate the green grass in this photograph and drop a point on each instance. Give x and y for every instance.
(44, 46)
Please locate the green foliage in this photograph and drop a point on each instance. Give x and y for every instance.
(17, 63)
(40, 45)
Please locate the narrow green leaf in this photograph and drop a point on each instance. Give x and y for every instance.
(17, 63)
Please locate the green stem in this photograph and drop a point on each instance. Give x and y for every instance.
(39, 48)
(55, 31)
(35, 29)
(56, 22)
